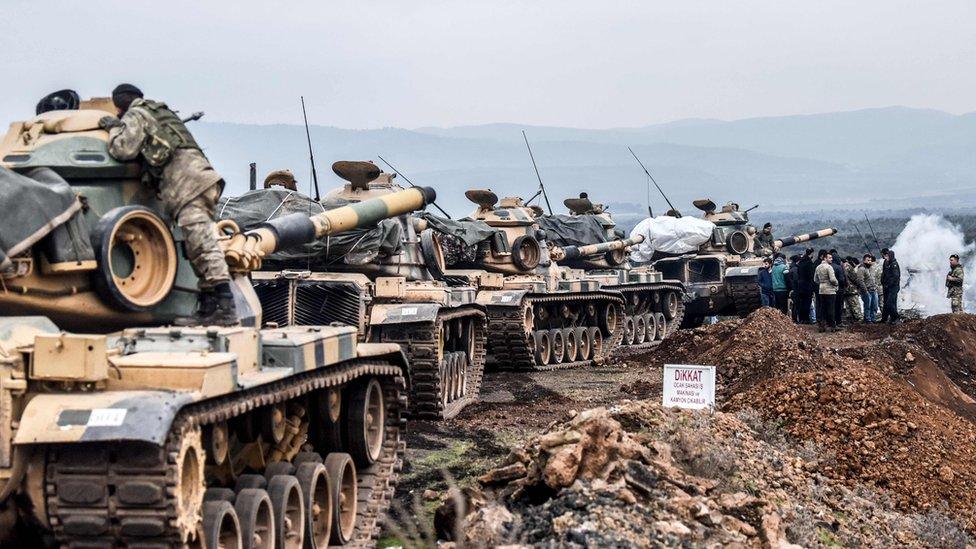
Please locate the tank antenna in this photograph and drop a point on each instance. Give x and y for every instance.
(396, 171)
(542, 188)
(311, 157)
(655, 183)
(863, 241)
(878, 244)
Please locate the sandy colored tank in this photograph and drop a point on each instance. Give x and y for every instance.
(400, 298)
(653, 307)
(169, 436)
(543, 316)
(722, 277)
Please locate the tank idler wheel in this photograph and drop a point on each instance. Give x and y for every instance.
(278, 468)
(650, 321)
(289, 511)
(607, 321)
(662, 326)
(558, 346)
(640, 329)
(317, 492)
(219, 494)
(221, 529)
(572, 344)
(250, 481)
(345, 491)
(256, 518)
(669, 305)
(366, 422)
(543, 347)
(596, 341)
(628, 331)
(328, 428)
(273, 424)
(585, 351)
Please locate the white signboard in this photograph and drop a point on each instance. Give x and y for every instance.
(687, 386)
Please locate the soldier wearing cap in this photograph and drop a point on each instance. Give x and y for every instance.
(188, 187)
(954, 284)
(764, 240)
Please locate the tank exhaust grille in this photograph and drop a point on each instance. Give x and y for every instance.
(324, 303)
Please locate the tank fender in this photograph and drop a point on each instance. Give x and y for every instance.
(742, 272)
(100, 417)
(402, 313)
(501, 298)
(388, 351)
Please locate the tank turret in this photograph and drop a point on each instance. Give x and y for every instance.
(518, 245)
(131, 270)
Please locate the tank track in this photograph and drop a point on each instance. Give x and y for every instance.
(420, 345)
(134, 494)
(511, 348)
(745, 295)
(673, 325)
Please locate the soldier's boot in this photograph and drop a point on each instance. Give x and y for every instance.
(206, 305)
(225, 314)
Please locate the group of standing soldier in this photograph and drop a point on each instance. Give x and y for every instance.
(829, 290)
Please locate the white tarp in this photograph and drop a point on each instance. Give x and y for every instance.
(673, 235)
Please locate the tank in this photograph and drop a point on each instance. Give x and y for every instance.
(129, 431)
(393, 296)
(653, 307)
(540, 315)
(722, 277)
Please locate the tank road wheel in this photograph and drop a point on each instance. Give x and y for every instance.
(278, 468)
(585, 345)
(628, 331)
(669, 305)
(558, 346)
(289, 511)
(367, 418)
(608, 319)
(221, 529)
(250, 481)
(526, 252)
(543, 347)
(650, 321)
(596, 341)
(462, 375)
(572, 344)
(662, 326)
(256, 517)
(136, 258)
(345, 491)
(640, 329)
(317, 492)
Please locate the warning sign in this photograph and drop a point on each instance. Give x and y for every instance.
(688, 386)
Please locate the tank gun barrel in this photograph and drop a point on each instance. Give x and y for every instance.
(796, 239)
(573, 252)
(245, 251)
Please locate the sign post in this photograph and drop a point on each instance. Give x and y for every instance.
(687, 386)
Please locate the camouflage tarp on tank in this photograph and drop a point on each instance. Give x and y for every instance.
(357, 245)
(469, 231)
(573, 230)
(33, 207)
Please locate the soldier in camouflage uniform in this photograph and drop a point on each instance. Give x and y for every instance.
(188, 187)
(852, 293)
(764, 240)
(954, 284)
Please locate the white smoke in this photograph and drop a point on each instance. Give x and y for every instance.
(923, 249)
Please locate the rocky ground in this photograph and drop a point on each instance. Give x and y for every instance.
(863, 438)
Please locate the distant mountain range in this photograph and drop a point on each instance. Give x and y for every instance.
(892, 157)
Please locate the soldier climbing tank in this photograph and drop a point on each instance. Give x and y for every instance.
(653, 307)
(155, 435)
(540, 315)
(722, 276)
(385, 281)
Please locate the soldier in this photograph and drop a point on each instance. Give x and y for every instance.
(853, 291)
(188, 187)
(764, 240)
(954, 284)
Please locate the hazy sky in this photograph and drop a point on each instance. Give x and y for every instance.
(366, 64)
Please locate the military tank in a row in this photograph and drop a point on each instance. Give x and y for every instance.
(133, 432)
(722, 278)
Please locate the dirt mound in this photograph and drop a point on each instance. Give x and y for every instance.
(746, 351)
(643, 475)
(950, 340)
